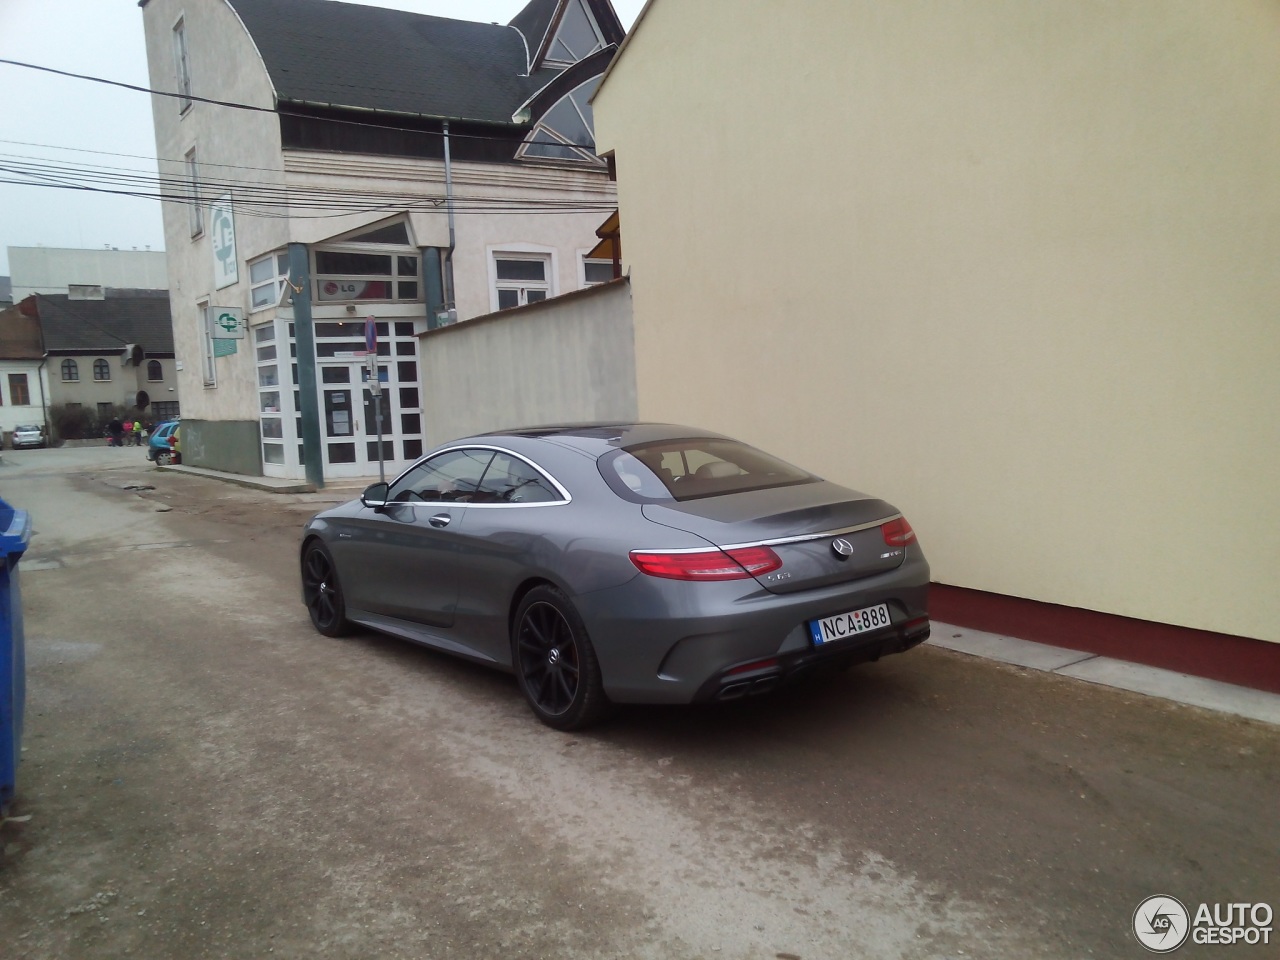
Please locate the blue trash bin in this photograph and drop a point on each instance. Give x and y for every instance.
(15, 533)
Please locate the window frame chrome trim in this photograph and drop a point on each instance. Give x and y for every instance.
(567, 498)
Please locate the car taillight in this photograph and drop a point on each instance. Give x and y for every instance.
(737, 564)
(897, 533)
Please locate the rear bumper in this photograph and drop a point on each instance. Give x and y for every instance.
(664, 641)
(734, 685)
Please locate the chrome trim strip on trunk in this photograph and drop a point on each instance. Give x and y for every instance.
(778, 541)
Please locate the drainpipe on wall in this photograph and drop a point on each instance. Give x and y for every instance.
(433, 286)
(44, 403)
(450, 301)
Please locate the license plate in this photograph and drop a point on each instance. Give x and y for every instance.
(832, 629)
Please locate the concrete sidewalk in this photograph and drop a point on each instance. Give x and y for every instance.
(1135, 677)
(1078, 664)
(350, 486)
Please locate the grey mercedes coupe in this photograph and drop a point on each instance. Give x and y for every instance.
(620, 563)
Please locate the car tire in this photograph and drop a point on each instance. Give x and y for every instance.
(322, 591)
(555, 663)
(164, 458)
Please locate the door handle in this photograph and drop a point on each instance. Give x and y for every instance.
(440, 520)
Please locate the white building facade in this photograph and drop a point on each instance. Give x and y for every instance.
(360, 163)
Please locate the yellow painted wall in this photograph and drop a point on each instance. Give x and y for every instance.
(1013, 266)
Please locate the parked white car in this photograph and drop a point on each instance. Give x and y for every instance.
(27, 435)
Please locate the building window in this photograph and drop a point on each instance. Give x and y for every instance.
(352, 275)
(206, 344)
(182, 65)
(267, 278)
(154, 370)
(195, 214)
(106, 411)
(164, 410)
(596, 271)
(19, 395)
(577, 37)
(101, 370)
(521, 279)
(567, 130)
(70, 371)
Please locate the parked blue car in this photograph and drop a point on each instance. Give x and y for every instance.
(160, 443)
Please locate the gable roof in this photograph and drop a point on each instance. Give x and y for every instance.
(324, 52)
(123, 317)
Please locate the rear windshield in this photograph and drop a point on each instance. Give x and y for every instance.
(693, 468)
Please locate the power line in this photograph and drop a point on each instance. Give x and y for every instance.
(260, 192)
(283, 209)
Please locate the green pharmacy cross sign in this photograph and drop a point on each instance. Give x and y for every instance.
(229, 326)
(226, 326)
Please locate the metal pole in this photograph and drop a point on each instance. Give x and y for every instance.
(377, 413)
(375, 388)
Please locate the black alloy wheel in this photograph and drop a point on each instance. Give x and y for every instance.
(555, 662)
(322, 591)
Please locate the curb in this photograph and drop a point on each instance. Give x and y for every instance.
(1106, 671)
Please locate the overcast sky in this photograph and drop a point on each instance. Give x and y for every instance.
(40, 112)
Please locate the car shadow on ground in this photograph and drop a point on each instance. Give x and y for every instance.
(866, 697)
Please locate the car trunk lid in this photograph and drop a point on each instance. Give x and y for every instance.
(801, 524)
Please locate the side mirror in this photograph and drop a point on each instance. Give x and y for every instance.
(375, 495)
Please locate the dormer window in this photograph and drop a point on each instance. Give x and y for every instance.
(567, 130)
(576, 39)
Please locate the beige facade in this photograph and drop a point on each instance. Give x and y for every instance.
(84, 383)
(1010, 265)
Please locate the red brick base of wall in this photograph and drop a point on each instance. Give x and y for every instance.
(1201, 653)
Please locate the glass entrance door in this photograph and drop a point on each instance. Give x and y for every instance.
(348, 421)
(341, 420)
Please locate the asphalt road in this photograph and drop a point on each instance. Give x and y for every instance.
(205, 776)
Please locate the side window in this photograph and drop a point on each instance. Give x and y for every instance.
(182, 65)
(511, 480)
(520, 279)
(452, 477)
(195, 212)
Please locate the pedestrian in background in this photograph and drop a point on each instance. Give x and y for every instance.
(137, 433)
